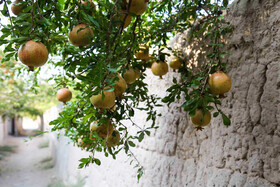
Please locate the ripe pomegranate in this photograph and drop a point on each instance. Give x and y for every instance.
(16, 9)
(114, 139)
(81, 35)
(137, 7)
(103, 130)
(120, 86)
(107, 103)
(159, 68)
(64, 95)
(130, 76)
(11, 81)
(142, 53)
(33, 54)
(175, 63)
(201, 120)
(5, 71)
(219, 83)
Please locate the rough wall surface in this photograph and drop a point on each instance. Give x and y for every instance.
(245, 154)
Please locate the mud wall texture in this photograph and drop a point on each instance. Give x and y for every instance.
(245, 154)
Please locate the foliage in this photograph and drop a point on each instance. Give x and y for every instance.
(16, 97)
(93, 68)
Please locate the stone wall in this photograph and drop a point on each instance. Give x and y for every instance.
(245, 154)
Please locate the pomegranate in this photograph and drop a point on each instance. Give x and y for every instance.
(11, 81)
(81, 35)
(137, 7)
(120, 86)
(33, 54)
(159, 68)
(16, 9)
(138, 73)
(85, 3)
(175, 63)
(143, 53)
(219, 83)
(5, 71)
(103, 130)
(114, 139)
(130, 76)
(201, 120)
(107, 103)
(64, 95)
(126, 19)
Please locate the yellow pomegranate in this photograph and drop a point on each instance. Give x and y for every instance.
(219, 83)
(120, 86)
(130, 76)
(126, 19)
(201, 120)
(106, 103)
(137, 7)
(175, 63)
(143, 52)
(103, 130)
(159, 68)
(81, 35)
(114, 139)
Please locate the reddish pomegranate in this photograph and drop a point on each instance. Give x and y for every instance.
(81, 35)
(5, 71)
(64, 95)
(33, 54)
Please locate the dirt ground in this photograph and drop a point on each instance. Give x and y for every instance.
(31, 165)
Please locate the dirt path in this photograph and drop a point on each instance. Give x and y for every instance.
(30, 166)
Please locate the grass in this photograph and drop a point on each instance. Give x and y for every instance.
(6, 149)
(46, 163)
(47, 159)
(59, 183)
(44, 144)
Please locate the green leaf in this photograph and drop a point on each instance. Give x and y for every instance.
(97, 161)
(131, 144)
(141, 137)
(226, 120)
(216, 114)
